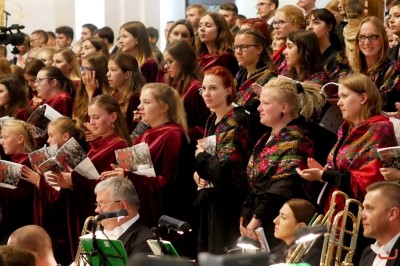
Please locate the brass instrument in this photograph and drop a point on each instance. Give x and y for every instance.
(302, 248)
(85, 230)
(334, 245)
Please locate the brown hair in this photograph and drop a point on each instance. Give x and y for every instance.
(138, 30)
(302, 209)
(110, 104)
(18, 96)
(224, 39)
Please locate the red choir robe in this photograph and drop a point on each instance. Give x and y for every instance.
(62, 103)
(17, 204)
(167, 192)
(149, 70)
(22, 114)
(102, 154)
(172, 190)
(225, 59)
(134, 102)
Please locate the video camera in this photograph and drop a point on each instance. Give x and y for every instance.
(12, 35)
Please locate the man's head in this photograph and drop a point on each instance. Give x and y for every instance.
(87, 31)
(107, 34)
(38, 39)
(306, 5)
(381, 211)
(33, 238)
(113, 194)
(64, 35)
(266, 8)
(194, 13)
(230, 12)
(153, 35)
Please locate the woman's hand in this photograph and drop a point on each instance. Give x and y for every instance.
(29, 175)
(36, 101)
(256, 88)
(63, 179)
(117, 171)
(311, 174)
(390, 174)
(91, 83)
(251, 228)
(312, 163)
(89, 135)
(201, 183)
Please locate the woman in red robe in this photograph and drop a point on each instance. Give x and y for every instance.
(172, 190)
(183, 73)
(55, 89)
(214, 45)
(13, 98)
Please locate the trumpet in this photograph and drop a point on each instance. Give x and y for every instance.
(85, 230)
(332, 250)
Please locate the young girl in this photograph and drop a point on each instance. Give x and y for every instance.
(13, 98)
(17, 204)
(54, 210)
(214, 45)
(66, 61)
(125, 78)
(31, 70)
(183, 74)
(135, 41)
(94, 82)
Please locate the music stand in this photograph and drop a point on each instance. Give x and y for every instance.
(104, 252)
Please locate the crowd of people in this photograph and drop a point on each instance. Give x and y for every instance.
(241, 129)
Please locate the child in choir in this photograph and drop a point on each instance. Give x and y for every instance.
(17, 204)
(54, 209)
(126, 80)
(109, 124)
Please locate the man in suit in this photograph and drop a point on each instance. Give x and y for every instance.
(117, 193)
(381, 221)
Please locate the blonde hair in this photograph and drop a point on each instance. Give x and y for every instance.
(168, 95)
(304, 98)
(20, 127)
(294, 14)
(65, 124)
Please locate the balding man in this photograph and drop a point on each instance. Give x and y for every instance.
(35, 239)
(381, 221)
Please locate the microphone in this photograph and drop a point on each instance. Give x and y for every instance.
(174, 224)
(8, 14)
(112, 214)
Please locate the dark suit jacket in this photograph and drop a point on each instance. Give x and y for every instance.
(368, 256)
(134, 239)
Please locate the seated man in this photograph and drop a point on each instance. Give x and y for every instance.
(14, 255)
(35, 239)
(381, 221)
(118, 193)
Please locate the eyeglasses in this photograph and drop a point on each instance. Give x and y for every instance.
(243, 47)
(262, 4)
(168, 62)
(86, 69)
(101, 205)
(371, 38)
(278, 23)
(38, 80)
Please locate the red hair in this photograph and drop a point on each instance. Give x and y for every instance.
(261, 26)
(227, 80)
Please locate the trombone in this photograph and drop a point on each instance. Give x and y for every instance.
(332, 251)
(333, 246)
(87, 229)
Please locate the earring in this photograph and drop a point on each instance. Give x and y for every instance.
(112, 125)
(282, 114)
